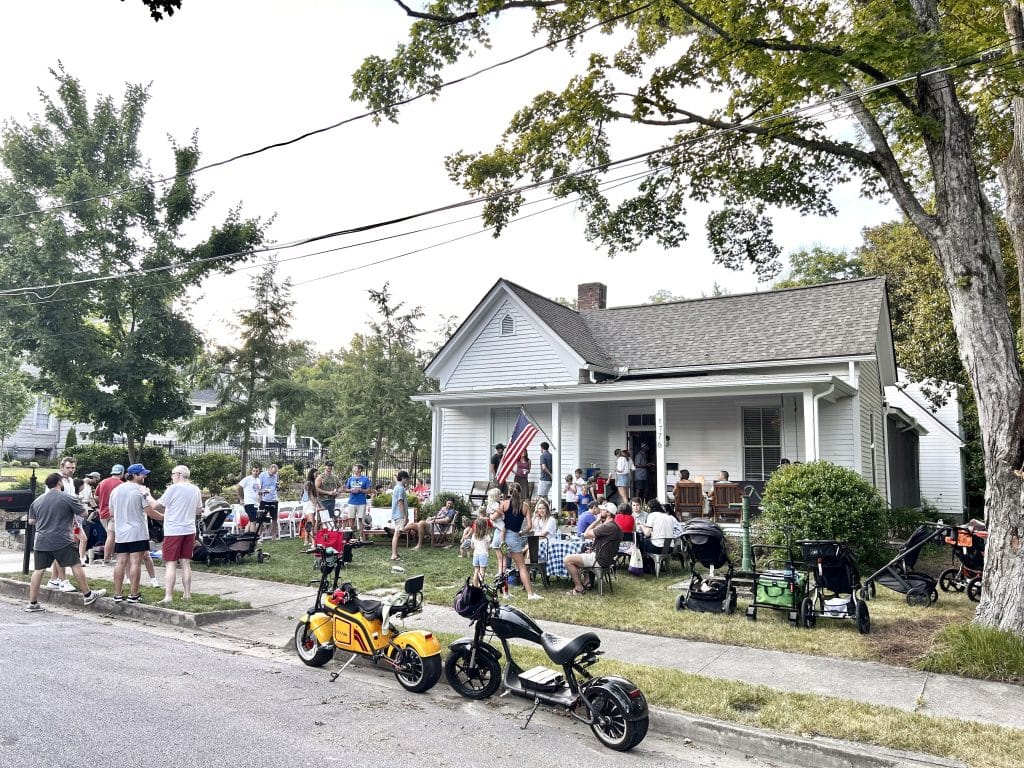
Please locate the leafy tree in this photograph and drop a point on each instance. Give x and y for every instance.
(15, 398)
(114, 342)
(252, 379)
(157, 8)
(938, 128)
(820, 265)
(663, 295)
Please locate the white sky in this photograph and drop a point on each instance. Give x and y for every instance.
(245, 73)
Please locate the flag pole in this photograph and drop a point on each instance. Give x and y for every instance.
(537, 425)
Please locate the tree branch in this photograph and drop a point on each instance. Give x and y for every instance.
(451, 20)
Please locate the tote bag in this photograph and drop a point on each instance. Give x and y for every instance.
(636, 560)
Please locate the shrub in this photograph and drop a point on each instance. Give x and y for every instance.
(71, 440)
(214, 472)
(289, 482)
(384, 500)
(821, 500)
(99, 457)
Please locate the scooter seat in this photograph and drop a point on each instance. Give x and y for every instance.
(371, 609)
(562, 650)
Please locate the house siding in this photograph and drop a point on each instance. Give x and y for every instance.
(835, 432)
(526, 357)
(870, 389)
(465, 452)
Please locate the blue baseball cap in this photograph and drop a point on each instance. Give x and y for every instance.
(137, 469)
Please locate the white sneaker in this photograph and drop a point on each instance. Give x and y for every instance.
(66, 586)
(93, 596)
(535, 596)
(52, 584)
(153, 582)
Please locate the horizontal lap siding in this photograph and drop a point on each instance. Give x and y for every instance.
(941, 474)
(598, 436)
(705, 436)
(493, 360)
(465, 449)
(835, 430)
(870, 388)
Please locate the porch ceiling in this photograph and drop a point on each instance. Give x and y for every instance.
(725, 385)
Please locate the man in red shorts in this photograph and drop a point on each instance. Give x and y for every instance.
(181, 504)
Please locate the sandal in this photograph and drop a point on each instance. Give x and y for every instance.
(396, 557)
(575, 592)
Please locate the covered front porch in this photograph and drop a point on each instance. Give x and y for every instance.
(741, 424)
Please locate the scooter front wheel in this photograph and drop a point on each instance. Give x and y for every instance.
(416, 673)
(611, 726)
(309, 648)
(477, 680)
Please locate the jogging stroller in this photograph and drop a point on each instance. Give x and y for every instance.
(968, 542)
(705, 544)
(217, 543)
(899, 574)
(833, 585)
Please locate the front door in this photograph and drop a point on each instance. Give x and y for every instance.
(641, 441)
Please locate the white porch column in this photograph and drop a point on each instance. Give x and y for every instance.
(436, 416)
(556, 456)
(810, 426)
(659, 437)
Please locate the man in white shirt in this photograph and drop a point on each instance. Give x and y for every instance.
(129, 508)
(181, 504)
(249, 492)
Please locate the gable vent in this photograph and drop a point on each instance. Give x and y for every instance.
(508, 326)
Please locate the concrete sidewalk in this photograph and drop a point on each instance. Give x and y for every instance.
(870, 682)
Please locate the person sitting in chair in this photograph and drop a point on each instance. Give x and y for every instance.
(657, 529)
(444, 519)
(606, 536)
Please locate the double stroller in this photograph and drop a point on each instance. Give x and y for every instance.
(705, 544)
(899, 574)
(834, 590)
(968, 542)
(215, 542)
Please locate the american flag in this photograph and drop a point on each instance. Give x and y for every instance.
(522, 433)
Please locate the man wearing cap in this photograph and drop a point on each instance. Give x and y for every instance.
(88, 494)
(499, 449)
(129, 507)
(52, 515)
(103, 491)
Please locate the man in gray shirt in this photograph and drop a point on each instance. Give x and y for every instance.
(53, 514)
(129, 508)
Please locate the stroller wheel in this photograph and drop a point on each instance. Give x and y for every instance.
(863, 617)
(949, 581)
(807, 617)
(974, 590)
(862, 593)
(917, 598)
(681, 603)
(933, 596)
(732, 601)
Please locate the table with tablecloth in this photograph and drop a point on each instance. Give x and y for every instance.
(553, 552)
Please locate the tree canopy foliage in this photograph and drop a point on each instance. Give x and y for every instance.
(107, 332)
(751, 106)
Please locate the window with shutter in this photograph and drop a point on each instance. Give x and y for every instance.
(762, 442)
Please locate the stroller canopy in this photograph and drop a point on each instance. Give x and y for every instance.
(706, 542)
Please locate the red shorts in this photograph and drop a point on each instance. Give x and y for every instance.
(178, 548)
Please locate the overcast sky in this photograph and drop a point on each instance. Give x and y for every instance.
(245, 73)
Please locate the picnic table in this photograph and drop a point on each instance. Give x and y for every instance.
(553, 552)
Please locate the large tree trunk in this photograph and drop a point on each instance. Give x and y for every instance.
(1011, 170)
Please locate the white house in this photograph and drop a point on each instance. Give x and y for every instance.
(733, 382)
(938, 443)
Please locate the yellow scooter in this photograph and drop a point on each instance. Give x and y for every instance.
(341, 620)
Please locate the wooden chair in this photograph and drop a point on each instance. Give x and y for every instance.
(478, 493)
(441, 533)
(689, 499)
(722, 495)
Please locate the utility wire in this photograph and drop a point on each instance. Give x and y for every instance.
(332, 126)
(987, 55)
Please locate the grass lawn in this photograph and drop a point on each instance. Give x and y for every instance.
(150, 595)
(899, 634)
(21, 474)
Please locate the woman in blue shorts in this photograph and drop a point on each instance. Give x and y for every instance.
(518, 524)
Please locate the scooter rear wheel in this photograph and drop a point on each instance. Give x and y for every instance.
(611, 726)
(309, 649)
(418, 673)
(478, 680)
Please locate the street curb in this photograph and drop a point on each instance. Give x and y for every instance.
(138, 611)
(812, 752)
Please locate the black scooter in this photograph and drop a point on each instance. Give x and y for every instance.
(613, 707)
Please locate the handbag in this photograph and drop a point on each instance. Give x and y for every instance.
(636, 559)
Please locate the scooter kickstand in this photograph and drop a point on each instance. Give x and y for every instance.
(336, 675)
(529, 717)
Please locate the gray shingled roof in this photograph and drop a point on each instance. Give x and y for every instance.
(567, 323)
(830, 320)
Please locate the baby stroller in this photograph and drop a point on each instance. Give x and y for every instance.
(899, 574)
(219, 544)
(968, 542)
(705, 544)
(833, 581)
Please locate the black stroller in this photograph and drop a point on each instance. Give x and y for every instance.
(217, 543)
(899, 574)
(833, 585)
(968, 542)
(705, 544)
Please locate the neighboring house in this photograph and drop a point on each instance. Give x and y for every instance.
(930, 439)
(734, 382)
(41, 434)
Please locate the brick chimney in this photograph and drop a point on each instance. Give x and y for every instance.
(592, 296)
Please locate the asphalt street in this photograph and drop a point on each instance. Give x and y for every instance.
(81, 689)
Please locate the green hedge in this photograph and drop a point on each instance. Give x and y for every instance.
(821, 500)
(217, 473)
(100, 458)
